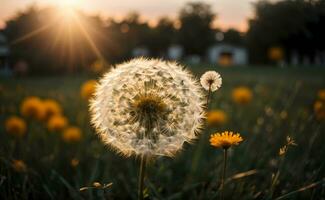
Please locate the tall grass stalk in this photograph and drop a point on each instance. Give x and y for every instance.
(208, 97)
(224, 172)
(275, 178)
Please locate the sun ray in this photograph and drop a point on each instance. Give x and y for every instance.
(31, 34)
(89, 39)
(68, 26)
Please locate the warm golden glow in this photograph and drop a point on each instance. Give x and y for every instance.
(68, 3)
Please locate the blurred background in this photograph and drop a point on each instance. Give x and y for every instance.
(46, 37)
(270, 54)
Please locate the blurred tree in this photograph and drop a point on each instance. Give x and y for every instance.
(195, 33)
(126, 35)
(234, 37)
(162, 36)
(296, 25)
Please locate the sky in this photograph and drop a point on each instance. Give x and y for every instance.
(230, 13)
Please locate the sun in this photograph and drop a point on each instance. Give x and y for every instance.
(67, 9)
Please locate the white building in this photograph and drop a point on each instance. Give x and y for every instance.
(175, 52)
(140, 51)
(226, 54)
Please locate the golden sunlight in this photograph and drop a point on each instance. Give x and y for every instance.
(68, 3)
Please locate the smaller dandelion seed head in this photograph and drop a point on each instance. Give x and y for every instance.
(211, 80)
(225, 139)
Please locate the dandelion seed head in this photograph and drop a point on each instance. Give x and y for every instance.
(211, 80)
(147, 107)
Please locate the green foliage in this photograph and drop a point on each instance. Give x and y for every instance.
(296, 25)
(196, 33)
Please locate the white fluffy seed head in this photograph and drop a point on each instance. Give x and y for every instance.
(147, 107)
(211, 80)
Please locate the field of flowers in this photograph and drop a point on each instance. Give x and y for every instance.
(49, 149)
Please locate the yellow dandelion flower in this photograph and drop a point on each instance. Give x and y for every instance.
(57, 123)
(19, 166)
(88, 89)
(225, 139)
(71, 134)
(216, 118)
(321, 94)
(15, 126)
(51, 108)
(276, 53)
(74, 162)
(242, 95)
(319, 110)
(32, 107)
(98, 66)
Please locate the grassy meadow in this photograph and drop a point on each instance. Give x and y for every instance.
(282, 105)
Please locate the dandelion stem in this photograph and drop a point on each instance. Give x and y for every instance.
(223, 173)
(142, 172)
(208, 97)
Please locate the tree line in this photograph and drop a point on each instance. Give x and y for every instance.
(50, 40)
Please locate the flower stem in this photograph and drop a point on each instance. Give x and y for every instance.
(142, 172)
(208, 97)
(223, 173)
